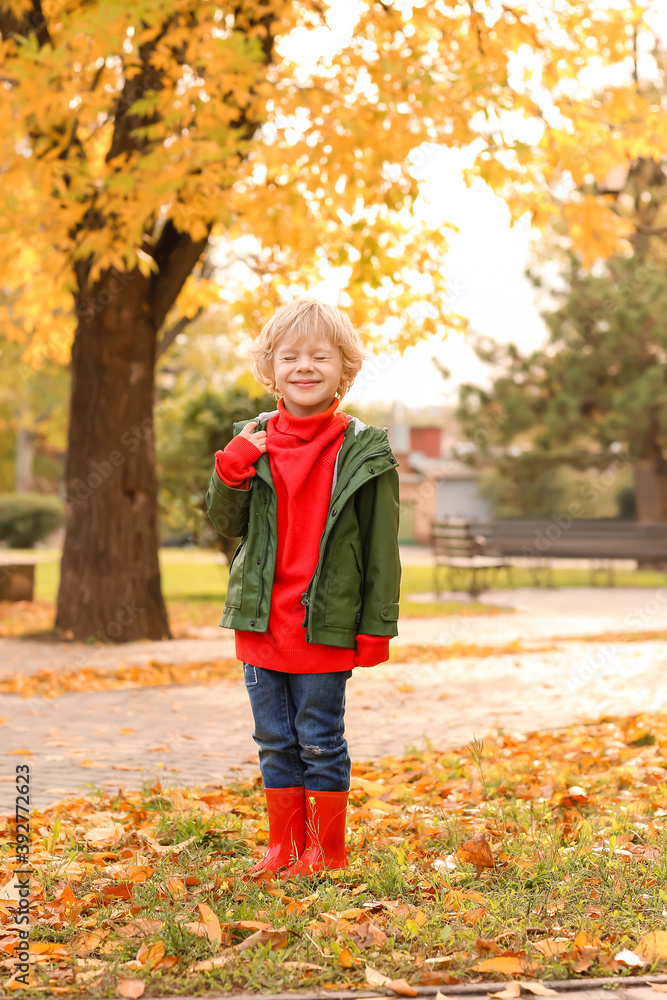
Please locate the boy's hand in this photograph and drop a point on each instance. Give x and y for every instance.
(258, 439)
(236, 464)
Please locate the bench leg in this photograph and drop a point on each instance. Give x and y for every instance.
(599, 566)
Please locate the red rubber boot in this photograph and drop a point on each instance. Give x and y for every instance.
(287, 828)
(325, 833)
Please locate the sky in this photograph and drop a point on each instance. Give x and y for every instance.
(485, 276)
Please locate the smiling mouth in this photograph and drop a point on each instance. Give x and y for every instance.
(306, 382)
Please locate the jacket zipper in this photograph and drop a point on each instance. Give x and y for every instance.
(266, 546)
(305, 597)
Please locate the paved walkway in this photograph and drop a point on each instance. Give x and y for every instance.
(624, 988)
(197, 734)
(535, 616)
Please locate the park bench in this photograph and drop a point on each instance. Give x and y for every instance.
(463, 554)
(600, 541)
(17, 577)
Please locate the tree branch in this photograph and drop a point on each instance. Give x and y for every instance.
(172, 333)
(31, 20)
(175, 254)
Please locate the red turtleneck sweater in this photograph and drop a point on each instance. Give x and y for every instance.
(302, 452)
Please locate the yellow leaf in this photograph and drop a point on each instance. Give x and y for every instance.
(211, 922)
(132, 989)
(151, 956)
(653, 945)
(346, 959)
(506, 964)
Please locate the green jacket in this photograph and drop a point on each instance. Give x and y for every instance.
(356, 584)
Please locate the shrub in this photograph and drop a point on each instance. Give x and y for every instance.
(26, 518)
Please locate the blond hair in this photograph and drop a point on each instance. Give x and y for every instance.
(302, 319)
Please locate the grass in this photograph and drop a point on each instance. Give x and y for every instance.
(194, 584)
(200, 576)
(576, 876)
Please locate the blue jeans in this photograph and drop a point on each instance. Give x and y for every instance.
(299, 728)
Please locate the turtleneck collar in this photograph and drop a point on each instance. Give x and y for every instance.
(304, 427)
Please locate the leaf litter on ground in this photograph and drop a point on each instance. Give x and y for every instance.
(526, 856)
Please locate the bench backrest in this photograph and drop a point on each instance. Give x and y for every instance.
(583, 538)
(454, 539)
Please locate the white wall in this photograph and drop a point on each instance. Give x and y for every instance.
(459, 498)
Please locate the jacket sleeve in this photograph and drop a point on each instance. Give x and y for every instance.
(235, 465)
(378, 511)
(227, 507)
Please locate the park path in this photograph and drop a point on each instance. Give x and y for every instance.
(197, 734)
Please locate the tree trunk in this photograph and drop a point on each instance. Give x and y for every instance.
(110, 574)
(651, 491)
(24, 461)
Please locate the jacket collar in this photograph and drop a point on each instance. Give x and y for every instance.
(360, 441)
(306, 428)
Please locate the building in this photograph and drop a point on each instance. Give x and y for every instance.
(432, 485)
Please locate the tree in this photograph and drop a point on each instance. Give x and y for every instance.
(132, 134)
(596, 394)
(201, 392)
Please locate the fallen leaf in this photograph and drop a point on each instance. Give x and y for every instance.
(104, 834)
(506, 964)
(164, 848)
(346, 959)
(375, 978)
(132, 989)
(653, 945)
(213, 963)
(401, 987)
(211, 922)
(552, 947)
(511, 991)
(139, 873)
(539, 989)
(477, 851)
(276, 937)
(151, 956)
(176, 887)
(195, 927)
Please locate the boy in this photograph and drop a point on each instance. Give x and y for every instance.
(314, 582)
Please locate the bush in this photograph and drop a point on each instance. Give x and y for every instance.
(26, 518)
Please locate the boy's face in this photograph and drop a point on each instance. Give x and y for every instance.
(307, 375)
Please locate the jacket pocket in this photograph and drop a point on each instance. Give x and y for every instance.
(236, 573)
(344, 588)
